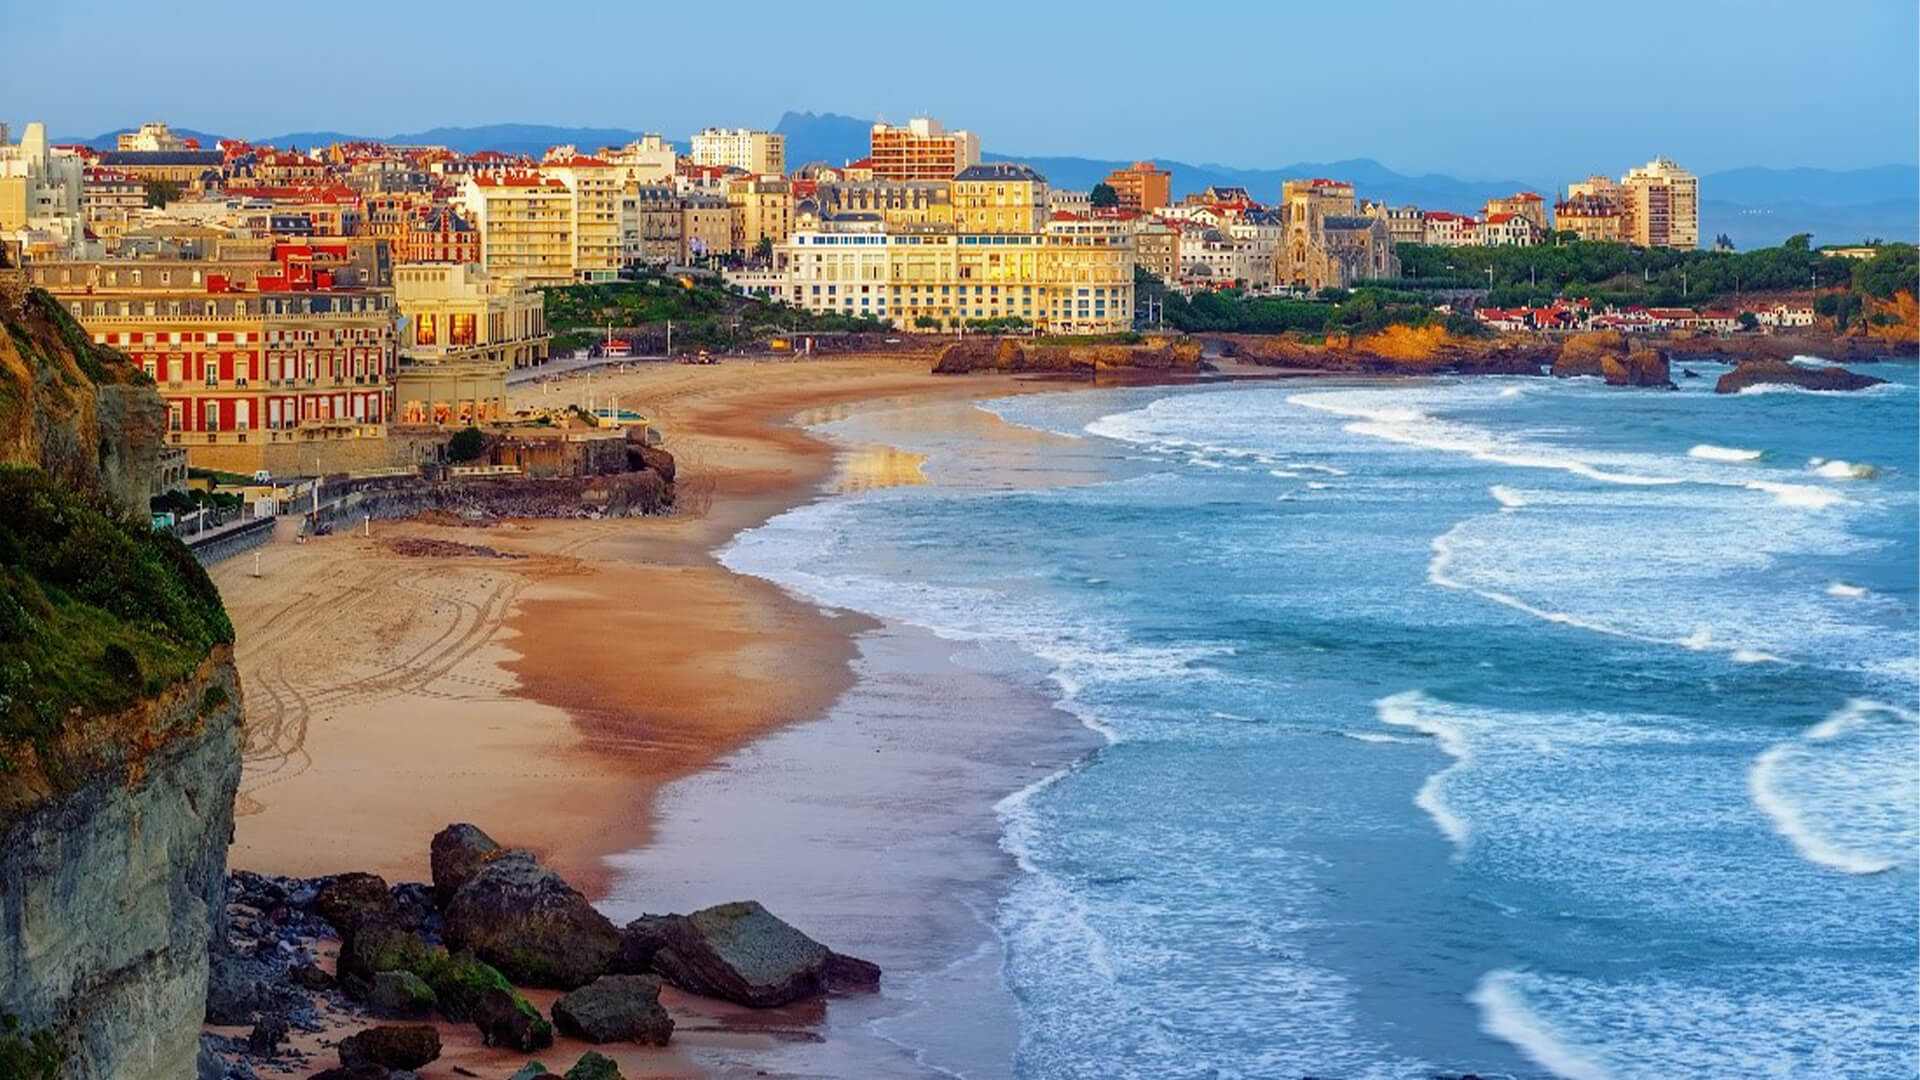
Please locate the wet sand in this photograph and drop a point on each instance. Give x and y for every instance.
(550, 694)
(546, 696)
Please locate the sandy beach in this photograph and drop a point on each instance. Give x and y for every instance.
(546, 694)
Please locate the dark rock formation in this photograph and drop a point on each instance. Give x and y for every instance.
(506, 1020)
(538, 930)
(594, 1065)
(267, 1035)
(615, 1008)
(400, 995)
(393, 1046)
(740, 952)
(1781, 373)
(351, 899)
(310, 977)
(851, 975)
(456, 854)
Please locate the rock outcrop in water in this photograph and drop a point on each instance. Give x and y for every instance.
(1780, 373)
(1086, 360)
(119, 719)
(1608, 355)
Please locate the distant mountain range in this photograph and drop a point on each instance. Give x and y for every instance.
(1754, 206)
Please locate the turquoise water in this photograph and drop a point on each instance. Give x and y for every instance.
(1517, 726)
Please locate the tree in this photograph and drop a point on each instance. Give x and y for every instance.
(926, 322)
(1749, 321)
(763, 251)
(1798, 242)
(1103, 197)
(466, 444)
(162, 192)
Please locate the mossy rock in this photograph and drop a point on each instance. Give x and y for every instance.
(594, 1065)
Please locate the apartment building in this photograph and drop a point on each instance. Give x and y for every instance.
(706, 227)
(1405, 224)
(1156, 248)
(1507, 230)
(650, 226)
(438, 235)
(460, 332)
(922, 149)
(41, 187)
(757, 152)
(526, 226)
(1523, 204)
(1660, 202)
(763, 208)
(999, 197)
(1143, 187)
(1591, 217)
(151, 137)
(888, 204)
(1447, 229)
(650, 160)
(594, 187)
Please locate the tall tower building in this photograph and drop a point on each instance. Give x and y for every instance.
(1661, 205)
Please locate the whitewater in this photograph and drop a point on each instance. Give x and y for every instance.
(1523, 727)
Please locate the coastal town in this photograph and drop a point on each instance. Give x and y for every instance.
(339, 307)
(425, 564)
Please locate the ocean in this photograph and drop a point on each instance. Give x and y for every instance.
(1516, 726)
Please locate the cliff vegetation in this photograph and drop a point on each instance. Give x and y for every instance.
(96, 611)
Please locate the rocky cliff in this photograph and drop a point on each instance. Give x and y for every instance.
(82, 412)
(119, 724)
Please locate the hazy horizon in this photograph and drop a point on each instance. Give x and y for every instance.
(1410, 87)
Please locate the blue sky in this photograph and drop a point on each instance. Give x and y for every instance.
(1499, 88)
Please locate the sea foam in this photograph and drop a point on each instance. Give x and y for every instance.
(1834, 469)
(1508, 498)
(1839, 800)
(1723, 453)
(1504, 1015)
(1405, 710)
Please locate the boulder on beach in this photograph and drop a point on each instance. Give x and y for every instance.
(393, 1046)
(526, 921)
(741, 952)
(615, 1008)
(594, 1065)
(351, 899)
(400, 995)
(456, 854)
(506, 1020)
(1781, 373)
(267, 1035)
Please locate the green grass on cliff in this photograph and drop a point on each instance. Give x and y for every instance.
(95, 612)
